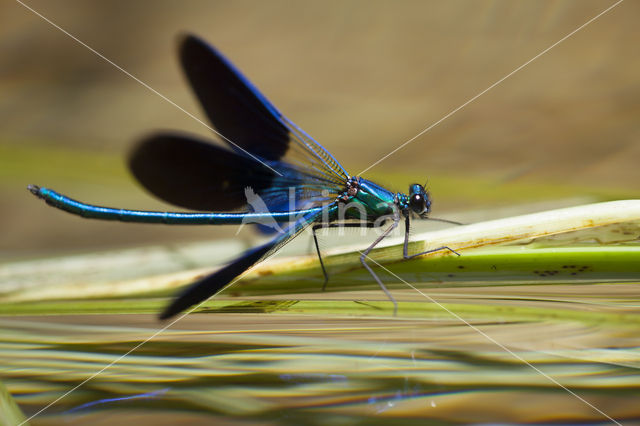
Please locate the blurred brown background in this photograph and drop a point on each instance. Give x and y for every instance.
(361, 77)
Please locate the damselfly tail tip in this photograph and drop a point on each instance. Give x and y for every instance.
(35, 190)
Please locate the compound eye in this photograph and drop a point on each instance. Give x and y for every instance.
(418, 203)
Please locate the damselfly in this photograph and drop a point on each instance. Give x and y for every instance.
(296, 179)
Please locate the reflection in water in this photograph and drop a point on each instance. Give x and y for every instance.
(122, 398)
(304, 378)
(385, 402)
(285, 367)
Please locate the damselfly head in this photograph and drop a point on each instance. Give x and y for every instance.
(419, 200)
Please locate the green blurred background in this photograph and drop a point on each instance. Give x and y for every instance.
(361, 77)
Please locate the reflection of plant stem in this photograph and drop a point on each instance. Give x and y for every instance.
(10, 413)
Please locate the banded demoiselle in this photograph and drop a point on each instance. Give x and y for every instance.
(299, 181)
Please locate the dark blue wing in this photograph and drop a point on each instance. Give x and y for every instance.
(195, 174)
(192, 173)
(214, 283)
(243, 116)
(233, 105)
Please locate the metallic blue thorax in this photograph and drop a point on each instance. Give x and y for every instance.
(370, 202)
